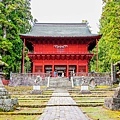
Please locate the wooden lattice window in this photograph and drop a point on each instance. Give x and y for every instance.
(82, 69)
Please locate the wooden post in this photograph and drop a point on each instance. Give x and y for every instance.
(23, 50)
(43, 68)
(77, 69)
(112, 76)
(97, 55)
(113, 72)
(52, 70)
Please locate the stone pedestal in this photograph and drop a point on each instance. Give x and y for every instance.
(85, 89)
(36, 90)
(36, 87)
(113, 103)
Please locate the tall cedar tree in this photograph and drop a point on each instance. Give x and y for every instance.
(15, 18)
(109, 44)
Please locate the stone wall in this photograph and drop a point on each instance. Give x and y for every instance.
(28, 79)
(99, 78)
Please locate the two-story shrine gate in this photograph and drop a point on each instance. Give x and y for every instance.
(64, 47)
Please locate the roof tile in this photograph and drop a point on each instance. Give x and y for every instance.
(59, 30)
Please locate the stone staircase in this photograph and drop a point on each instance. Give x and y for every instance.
(59, 82)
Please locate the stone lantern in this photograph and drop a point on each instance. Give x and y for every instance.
(6, 103)
(2, 64)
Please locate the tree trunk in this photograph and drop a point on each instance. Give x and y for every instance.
(4, 32)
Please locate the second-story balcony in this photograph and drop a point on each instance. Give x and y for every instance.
(59, 52)
(60, 56)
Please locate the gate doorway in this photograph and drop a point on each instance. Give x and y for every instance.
(72, 69)
(61, 69)
(48, 69)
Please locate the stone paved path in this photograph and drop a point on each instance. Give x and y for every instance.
(62, 107)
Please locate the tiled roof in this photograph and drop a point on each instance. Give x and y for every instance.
(59, 30)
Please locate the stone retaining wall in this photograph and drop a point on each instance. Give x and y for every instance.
(28, 79)
(99, 79)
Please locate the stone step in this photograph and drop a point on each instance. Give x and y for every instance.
(59, 83)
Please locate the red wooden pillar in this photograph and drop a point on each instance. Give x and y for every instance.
(77, 69)
(23, 62)
(43, 69)
(86, 68)
(97, 55)
(33, 69)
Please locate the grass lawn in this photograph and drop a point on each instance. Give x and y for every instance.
(19, 117)
(32, 102)
(31, 110)
(90, 99)
(97, 96)
(101, 113)
(30, 106)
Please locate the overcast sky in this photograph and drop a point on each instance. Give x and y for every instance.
(68, 11)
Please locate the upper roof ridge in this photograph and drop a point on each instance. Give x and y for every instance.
(84, 24)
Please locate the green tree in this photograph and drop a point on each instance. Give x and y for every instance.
(15, 18)
(109, 44)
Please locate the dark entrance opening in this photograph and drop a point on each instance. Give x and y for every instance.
(72, 70)
(48, 69)
(61, 69)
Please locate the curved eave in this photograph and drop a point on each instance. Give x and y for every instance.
(94, 42)
(32, 53)
(29, 36)
(91, 45)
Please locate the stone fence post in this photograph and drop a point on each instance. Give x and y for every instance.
(72, 82)
(48, 82)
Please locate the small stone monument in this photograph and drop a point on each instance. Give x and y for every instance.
(84, 87)
(113, 103)
(92, 83)
(6, 103)
(36, 88)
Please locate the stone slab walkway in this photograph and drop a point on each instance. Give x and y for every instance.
(62, 107)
